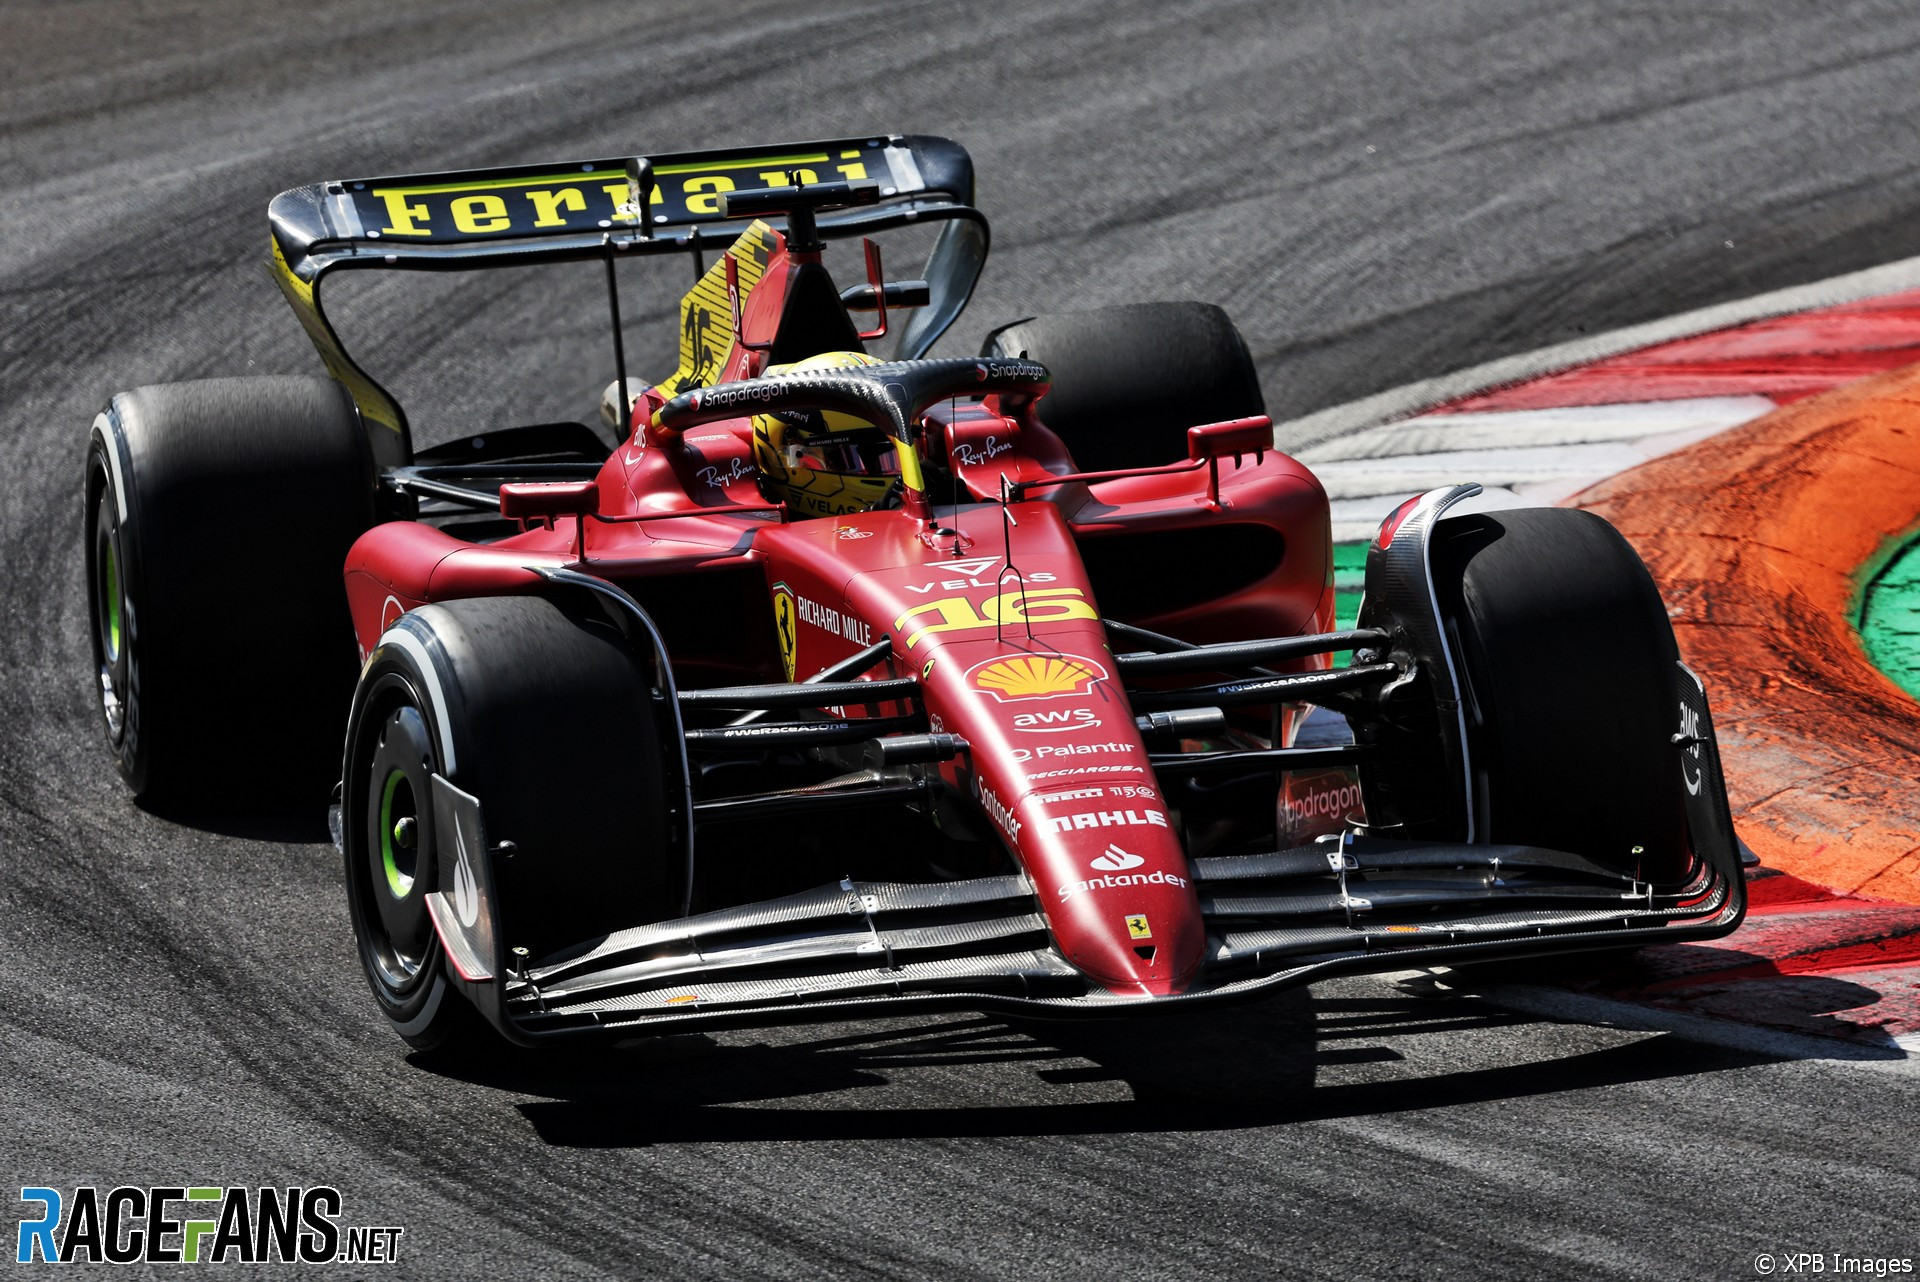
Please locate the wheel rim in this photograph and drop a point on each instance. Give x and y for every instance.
(398, 935)
(112, 587)
(399, 854)
(111, 637)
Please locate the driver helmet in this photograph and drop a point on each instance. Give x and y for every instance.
(824, 462)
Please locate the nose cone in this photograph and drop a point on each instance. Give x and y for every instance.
(1115, 886)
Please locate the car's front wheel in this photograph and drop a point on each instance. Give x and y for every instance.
(545, 718)
(1567, 666)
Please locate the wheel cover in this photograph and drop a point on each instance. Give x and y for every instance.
(111, 638)
(398, 827)
(398, 939)
(113, 605)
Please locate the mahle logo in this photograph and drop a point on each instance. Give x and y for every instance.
(198, 1224)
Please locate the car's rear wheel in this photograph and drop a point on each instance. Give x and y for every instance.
(1129, 381)
(546, 719)
(218, 514)
(1567, 664)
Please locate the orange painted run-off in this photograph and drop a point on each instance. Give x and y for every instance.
(1754, 537)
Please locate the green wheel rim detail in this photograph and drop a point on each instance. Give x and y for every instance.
(400, 883)
(113, 605)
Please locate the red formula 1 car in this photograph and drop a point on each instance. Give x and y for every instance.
(848, 686)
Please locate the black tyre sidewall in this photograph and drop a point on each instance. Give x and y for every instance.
(1129, 381)
(1568, 658)
(101, 492)
(419, 1013)
(530, 702)
(241, 498)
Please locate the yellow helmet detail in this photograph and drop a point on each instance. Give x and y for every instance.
(824, 462)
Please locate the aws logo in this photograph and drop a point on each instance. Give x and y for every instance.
(1035, 676)
(1055, 720)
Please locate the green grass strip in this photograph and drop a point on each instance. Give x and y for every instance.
(1349, 577)
(1887, 610)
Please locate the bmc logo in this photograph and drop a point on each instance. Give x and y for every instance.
(1055, 720)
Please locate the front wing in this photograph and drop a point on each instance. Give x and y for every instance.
(1344, 905)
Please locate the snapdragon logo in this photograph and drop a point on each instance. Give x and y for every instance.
(197, 1225)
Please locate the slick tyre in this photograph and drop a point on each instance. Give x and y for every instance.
(1568, 665)
(1129, 381)
(547, 720)
(218, 515)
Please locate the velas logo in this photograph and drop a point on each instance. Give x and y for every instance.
(1035, 676)
(971, 567)
(1117, 860)
(193, 1225)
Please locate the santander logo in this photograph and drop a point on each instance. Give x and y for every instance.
(1117, 860)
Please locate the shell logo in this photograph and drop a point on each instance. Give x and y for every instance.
(1035, 676)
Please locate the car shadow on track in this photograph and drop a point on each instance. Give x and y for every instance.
(297, 820)
(1299, 1057)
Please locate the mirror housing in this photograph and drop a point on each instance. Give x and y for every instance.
(545, 500)
(1235, 436)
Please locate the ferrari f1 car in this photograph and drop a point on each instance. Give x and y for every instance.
(838, 685)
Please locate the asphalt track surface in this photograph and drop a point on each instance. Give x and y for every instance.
(1378, 193)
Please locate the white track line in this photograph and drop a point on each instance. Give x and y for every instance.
(1524, 458)
(1297, 434)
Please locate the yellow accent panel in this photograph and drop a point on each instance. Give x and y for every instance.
(491, 184)
(375, 405)
(910, 474)
(706, 323)
(751, 162)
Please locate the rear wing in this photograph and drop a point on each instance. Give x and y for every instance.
(522, 214)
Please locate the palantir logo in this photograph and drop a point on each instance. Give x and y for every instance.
(1117, 860)
(215, 1225)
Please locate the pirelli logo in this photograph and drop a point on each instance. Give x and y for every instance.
(591, 198)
